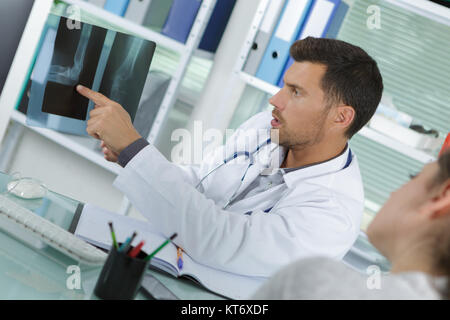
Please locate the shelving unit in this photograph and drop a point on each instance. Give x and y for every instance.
(258, 83)
(85, 146)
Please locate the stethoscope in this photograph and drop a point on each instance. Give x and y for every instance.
(251, 162)
(249, 155)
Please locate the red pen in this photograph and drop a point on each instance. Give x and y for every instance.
(133, 253)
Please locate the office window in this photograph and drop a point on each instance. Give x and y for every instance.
(414, 58)
(413, 55)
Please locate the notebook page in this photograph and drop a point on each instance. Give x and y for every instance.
(228, 284)
(93, 227)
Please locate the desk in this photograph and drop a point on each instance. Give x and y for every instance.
(32, 273)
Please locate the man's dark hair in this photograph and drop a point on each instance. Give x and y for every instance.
(352, 77)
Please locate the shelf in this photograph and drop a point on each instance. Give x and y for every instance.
(203, 54)
(83, 146)
(413, 153)
(122, 24)
(258, 83)
(367, 132)
(125, 25)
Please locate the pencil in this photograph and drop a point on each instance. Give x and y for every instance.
(151, 255)
(113, 235)
(135, 251)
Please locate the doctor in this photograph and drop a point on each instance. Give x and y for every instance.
(284, 186)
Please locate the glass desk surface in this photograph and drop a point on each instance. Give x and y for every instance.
(28, 272)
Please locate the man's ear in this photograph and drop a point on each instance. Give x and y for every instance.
(344, 116)
(440, 205)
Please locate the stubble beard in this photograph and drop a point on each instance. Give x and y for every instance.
(291, 140)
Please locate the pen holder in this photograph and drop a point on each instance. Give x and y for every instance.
(121, 276)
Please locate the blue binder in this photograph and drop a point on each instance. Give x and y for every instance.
(316, 25)
(118, 7)
(337, 20)
(216, 25)
(277, 52)
(180, 19)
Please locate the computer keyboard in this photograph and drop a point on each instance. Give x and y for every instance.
(48, 232)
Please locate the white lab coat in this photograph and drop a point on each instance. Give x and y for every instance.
(316, 212)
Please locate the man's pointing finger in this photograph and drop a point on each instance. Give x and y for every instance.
(96, 97)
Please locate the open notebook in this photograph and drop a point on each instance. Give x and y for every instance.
(93, 228)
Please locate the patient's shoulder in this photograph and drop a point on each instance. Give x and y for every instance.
(324, 278)
(308, 278)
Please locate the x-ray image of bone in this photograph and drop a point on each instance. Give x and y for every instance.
(111, 62)
(71, 75)
(124, 69)
(76, 55)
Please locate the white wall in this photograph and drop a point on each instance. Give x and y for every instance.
(67, 173)
(224, 63)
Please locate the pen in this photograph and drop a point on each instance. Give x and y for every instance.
(160, 247)
(180, 258)
(127, 244)
(135, 251)
(127, 241)
(113, 235)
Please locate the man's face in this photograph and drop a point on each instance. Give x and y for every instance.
(300, 111)
(400, 215)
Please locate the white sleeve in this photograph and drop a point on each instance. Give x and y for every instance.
(255, 245)
(191, 173)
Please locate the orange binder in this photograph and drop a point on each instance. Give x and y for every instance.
(446, 145)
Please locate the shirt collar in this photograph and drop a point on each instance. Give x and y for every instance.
(292, 175)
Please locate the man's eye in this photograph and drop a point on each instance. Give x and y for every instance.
(413, 175)
(295, 92)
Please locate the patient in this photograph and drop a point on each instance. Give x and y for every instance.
(412, 230)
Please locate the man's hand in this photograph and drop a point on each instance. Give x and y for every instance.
(110, 123)
(108, 154)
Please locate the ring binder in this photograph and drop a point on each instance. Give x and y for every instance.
(277, 52)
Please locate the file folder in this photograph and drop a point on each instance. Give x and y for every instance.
(216, 25)
(180, 19)
(316, 25)
(157, 14)
(277, 52)
(337, 20)
(118, 7)
(137, 10)
(263, 35)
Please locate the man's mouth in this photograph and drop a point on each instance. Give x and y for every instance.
(275, 121)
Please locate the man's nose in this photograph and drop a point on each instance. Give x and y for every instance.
(277, 100)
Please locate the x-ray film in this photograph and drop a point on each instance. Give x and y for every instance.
(112, 63)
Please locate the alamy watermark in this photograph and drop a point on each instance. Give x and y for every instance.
(374, 20)
(373, 281)
(195, 148)
(74, 18)
(73, 281)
